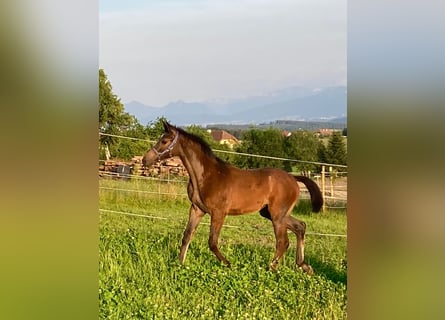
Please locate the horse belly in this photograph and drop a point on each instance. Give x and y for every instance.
(251, 194)
(246, 205)
(238, 212)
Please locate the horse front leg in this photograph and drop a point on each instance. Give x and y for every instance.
(216, 223)
(195, 216)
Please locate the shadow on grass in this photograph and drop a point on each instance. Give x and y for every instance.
(328, 271)
(243, 256)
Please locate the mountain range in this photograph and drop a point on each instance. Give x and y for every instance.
(294, 103)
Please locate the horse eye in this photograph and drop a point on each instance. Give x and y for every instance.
(163, 141)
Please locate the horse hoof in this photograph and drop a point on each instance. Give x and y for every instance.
(273, 266)
(307, 268)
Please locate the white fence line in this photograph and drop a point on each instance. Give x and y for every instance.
(206, 223)
(144, 191)
(241, 153)
(125, 137)
(304, 194)
(282, 159)
(134, 176)
(304, 191)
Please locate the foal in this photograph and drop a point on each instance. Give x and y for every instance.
(220, 189)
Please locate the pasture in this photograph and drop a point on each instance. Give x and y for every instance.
(140, 276)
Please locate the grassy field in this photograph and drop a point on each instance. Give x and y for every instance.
(140, 276)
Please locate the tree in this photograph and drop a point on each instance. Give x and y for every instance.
(128, 148)
(267, 142)
(302, 145)
(112, 118)
(321, 153)
(155, 129)
(336, 149)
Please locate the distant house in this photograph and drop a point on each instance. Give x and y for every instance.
(286, 133)
(325, 132)
(223, 137)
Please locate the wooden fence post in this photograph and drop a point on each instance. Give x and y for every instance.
(331, 181)
(323, 172)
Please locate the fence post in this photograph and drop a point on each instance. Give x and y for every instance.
(168, 175)
(331, 181)
(323, 172)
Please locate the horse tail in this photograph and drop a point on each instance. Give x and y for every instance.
(314, 190)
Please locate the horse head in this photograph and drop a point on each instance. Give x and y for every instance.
(164, 147)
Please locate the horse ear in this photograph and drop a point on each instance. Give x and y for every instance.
(166, 126)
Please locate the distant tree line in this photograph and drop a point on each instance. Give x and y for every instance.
(300, 145)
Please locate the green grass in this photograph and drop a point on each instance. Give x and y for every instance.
(140, 276)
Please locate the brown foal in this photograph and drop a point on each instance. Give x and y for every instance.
(220, 189)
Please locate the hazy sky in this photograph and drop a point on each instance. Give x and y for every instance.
(156, 52)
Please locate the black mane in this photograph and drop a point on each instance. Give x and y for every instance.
(204, 145)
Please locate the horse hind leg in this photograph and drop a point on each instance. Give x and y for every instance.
(299, 228)
(282, 242)
(195, 216)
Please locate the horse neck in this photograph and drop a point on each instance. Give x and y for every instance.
(196, 161)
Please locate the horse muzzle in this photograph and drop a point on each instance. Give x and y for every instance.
(149, 158)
